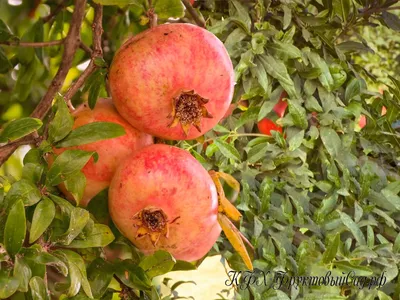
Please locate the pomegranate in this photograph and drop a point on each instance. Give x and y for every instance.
(281, 106)
(170, 75)
(266, 125)
(162, 198)
(111, 151)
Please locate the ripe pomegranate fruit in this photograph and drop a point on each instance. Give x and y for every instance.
(170, 75)
(162, 198)
(110, 151)
(281, 106)
(266, 125)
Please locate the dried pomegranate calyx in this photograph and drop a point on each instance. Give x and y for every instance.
(188, 109)
(151, 221)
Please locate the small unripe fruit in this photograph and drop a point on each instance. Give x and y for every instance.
(111, 151)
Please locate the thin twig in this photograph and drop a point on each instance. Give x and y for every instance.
(55, 12)
(97, 52)
(196, 17)
(86, 48)
(71, 44)
(79, 83)
(33, 44)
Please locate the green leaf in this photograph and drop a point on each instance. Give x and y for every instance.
(287, 16)
(42, 217)
(15, 228)
(182, 265)
(159, 263)
(331, 141)
(277, 69)
(23, 273)
(284, 50)
(5, 64)
(345, 6)
(312, 104)
(298, 114)
(5, 33)
(241, 16)
(257, 152)
(353, 227)
(50, 260)
(168, 9)
(67, 163)
(352, 89)
(62, 123)
(325, 78)
(227, 150)
(100, 274)
(258, 42)
(24, 190)
(249, 115)
(296, 141)
(100, 236)
(265, 192)
(75, 184)
(133, 276)
(32, 172)
(78, 220)
(330, 252)
(358, 270)
(19, 128)
(98, 207)
(8, 285)
(38, 289)
(351, 46)
(261, 74)
(268, 105)
(396, 244)
(91, 133)
(391, 20)
(77, 272)
(33, 34)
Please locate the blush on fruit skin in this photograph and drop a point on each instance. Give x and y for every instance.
(158, 65)
(266, 125)
(111, 151)
(168, 179)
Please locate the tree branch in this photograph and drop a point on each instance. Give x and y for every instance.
(33, 44)
(71, 44)
(196, 17)
(7, 150)
(97, 52)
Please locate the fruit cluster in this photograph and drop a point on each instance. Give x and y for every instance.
(175, 82)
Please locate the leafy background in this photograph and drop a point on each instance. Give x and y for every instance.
(324, 195)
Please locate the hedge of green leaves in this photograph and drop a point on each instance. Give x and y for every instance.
(323, 196)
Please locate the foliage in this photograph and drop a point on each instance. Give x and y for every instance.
(324, 195)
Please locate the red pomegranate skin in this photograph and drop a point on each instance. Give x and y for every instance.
(157, 65)
(170, 179)
(265, 126)
(281, 106)
(111, 151)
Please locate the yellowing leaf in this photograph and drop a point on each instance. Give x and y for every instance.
(235, 238)
(225, 206)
